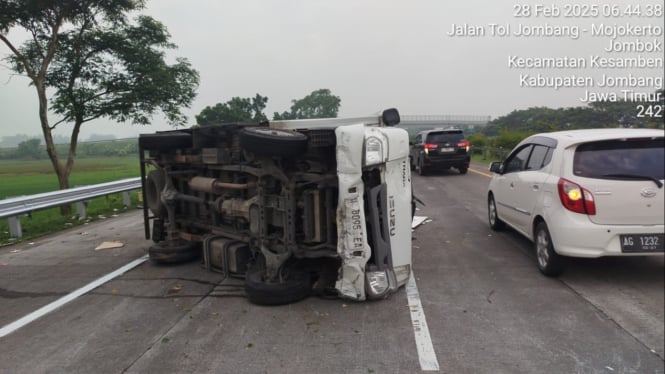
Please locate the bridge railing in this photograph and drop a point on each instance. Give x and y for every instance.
(13, 208)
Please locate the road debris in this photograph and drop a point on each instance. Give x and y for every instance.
(110, 245)
(418, 220)
(175, 289)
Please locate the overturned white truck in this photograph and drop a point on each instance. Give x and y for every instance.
(292, 207)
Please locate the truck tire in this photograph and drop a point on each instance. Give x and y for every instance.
(154, 184)
(174, 252)
(165, 141)
(273, 142)
(260, 292)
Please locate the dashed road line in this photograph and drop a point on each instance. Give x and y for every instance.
(481, 173)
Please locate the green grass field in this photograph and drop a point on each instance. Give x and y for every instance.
(18, 178)
(30, 177)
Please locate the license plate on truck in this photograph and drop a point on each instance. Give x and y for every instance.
(642, 243)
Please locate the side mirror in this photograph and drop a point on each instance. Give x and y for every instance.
(496, 167)
(390, 117)
(411, 142)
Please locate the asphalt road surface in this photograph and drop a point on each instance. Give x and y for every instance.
(487, 308)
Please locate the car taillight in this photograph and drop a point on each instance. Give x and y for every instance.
(464, 144)
(428, 146)
(575, 198)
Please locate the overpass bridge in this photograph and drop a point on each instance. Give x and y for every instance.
(416, 123)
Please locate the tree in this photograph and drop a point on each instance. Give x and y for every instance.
(477, 140)
(235, 110)
(29, 149)
(97, 64)
(318, 104)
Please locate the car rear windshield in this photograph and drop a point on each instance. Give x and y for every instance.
(445, 137)
(620, 158)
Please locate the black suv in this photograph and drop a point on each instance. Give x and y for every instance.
(440, 148)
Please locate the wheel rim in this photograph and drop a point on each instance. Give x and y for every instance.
(542, 244)
(492, 210)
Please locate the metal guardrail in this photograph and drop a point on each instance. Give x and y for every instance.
(14, 207)
(490, 153)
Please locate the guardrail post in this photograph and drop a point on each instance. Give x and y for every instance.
(125, 199)
(80, 209)
(15, 227)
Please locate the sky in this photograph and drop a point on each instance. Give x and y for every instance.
(374, 54)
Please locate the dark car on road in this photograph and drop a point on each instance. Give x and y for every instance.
(440, 149)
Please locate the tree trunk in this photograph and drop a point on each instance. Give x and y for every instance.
(60, 170)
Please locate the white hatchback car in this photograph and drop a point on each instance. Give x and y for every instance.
(583, 193)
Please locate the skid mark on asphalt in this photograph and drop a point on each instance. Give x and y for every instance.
(10, 328)
(426, 354)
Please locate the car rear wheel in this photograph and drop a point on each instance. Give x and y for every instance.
(421, 167)
(463, 169)
(495, 223)
(549, 262)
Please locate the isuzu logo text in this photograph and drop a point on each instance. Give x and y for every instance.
(391, 213)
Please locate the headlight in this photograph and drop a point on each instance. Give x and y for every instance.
(379, 283)
(373, 151)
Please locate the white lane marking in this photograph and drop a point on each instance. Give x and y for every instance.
(426, 354)
(8, 329)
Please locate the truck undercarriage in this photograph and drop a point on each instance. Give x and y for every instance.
(263, 204)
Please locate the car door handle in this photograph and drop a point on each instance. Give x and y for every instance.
(536, 187)
(512, 185)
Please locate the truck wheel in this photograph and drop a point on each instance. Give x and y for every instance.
(174, 252)
(295, 288)
(165, 141)
(273, 142)
(154, 184)
(550, 263)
